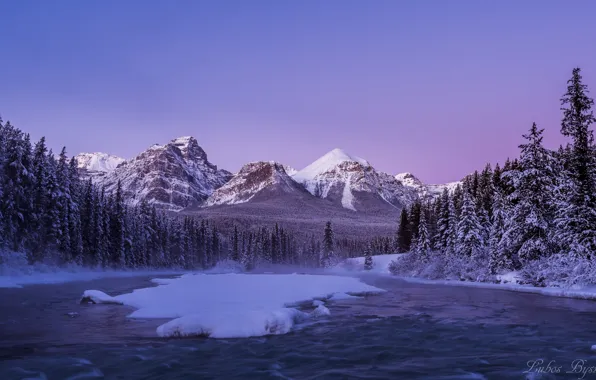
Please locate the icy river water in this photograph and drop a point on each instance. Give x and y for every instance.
(413, 331)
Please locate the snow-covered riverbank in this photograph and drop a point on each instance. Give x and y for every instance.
(508, 281)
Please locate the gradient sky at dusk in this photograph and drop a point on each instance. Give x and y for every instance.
(437, 88)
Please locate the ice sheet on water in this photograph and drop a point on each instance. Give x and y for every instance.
(235, 305)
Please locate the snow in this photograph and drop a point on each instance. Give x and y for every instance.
(252, 178)
(509, 278)
(584, 293)
(98, 161)
(411, 181)
(97, 296)
(347, 200)
(237, 305)
(325, 164)
(321, 311)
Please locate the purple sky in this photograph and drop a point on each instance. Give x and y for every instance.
(437, 88)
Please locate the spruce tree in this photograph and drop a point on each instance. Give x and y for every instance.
(404, 233)
(577, 214)
(368, 260)
(500, 258)
(423, 245)
(528, 233)
(40, 199)
(328, 247)
(443, 222)
(469, 239)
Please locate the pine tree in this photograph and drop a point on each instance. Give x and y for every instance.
(443, 226)
(423, 246)
(117, 229)
(38, 229)
(530, 226)
(404, 233)
(328, 247)
(235, 248)
(500, 257)
(577, 215)
(368, 260)
(469, 239)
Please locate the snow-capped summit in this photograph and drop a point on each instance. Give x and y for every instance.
(172, 176)
(256, 180)
(425, 190)
(410, 180)
(326, 163)
(98, 161)
(353, 183)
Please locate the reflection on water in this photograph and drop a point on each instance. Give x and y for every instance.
(414, 331)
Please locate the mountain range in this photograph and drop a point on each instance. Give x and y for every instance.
(179, 177)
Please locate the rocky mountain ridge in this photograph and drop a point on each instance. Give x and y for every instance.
(178, 175)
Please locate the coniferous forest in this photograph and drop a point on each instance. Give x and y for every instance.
(536, 214)
(50, 215)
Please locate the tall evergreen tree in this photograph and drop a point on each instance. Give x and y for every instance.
(423, 245)
(577, 214)
(404, 233)
(368, 260)
(328, 247)
(528, 230)
(469, 239)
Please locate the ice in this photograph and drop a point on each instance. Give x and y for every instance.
(97, 296)
(235, 305)
(316, 303)
(341, 296)
(320, 311)
(229, 325)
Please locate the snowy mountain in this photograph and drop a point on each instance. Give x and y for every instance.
(255, 181)
(353, 183)
(425, 190)
(95, 164)
(171, 176)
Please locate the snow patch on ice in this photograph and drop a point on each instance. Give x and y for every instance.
(321, 311)
(97, 296)
(342, 296)
(236, 305)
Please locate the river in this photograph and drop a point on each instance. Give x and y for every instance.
(413, 331)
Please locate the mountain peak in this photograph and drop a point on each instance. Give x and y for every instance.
(326, 163)
(253, 180)
(98, 161)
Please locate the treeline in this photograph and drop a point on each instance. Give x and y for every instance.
(49, 214)
(537, 206)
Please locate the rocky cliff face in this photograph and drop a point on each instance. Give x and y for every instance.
(172, 176)
(255, 181)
